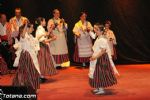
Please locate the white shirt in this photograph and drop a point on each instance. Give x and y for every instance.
(16, 24)
(40, 31)
(2, 29)
(101, 43)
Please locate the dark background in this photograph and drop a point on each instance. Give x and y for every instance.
(130, 21)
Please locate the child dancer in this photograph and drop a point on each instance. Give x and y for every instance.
(102, 68)
(109, 34)
(28, 72)
(44, 56)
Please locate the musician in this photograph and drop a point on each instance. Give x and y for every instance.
(83, 49)
(59, 47)
(17, 21)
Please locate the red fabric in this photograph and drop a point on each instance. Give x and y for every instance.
(45, 61)
(59, 59)
(4, 38)
(26, 75)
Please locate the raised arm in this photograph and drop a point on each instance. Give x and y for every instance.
(92, 34)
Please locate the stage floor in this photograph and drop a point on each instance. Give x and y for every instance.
(72, 84)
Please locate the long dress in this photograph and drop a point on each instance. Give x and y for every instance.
(28, 72)
(59, 47)
(101, 72)
(44, 56)
(109, 34)
(83, 45)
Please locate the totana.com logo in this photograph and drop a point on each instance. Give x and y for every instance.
(1, 94)
(16, 96)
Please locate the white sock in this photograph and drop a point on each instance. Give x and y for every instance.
(83, 64)
(41, 76)
(96, 90)
(101, 89)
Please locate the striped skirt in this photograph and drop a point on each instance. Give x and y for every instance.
(115, 53)
(3, 66)
(45, 60)
(78, 59)
(59, 59)
(26, 75)
(103, 74)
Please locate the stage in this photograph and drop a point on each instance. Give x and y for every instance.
(72, 84)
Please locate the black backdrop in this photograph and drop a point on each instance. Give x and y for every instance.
(130, 21)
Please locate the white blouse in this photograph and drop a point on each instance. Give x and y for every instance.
(110, 35)
(2, 29)
(30, 44)
(100, 43)
(40, 31)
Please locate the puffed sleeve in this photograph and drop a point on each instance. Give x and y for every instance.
(90, 26)
(76, 29)
(92, 34)
(39, 32)
(103, 44)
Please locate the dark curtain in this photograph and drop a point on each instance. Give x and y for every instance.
(130, 21)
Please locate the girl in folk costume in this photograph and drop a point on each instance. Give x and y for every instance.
(59, 47)
(44, 56)
(83, 49)
(34, 44)
(111, 39)
(28, 73)
(102, 69)
(17, 21)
